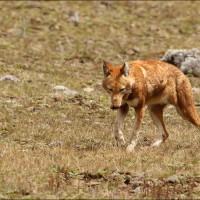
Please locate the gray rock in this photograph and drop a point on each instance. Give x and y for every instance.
(55, 144)
(137, 190)
(65, 90)
(196, 90)
(187, 60)
(191, 66)
(9, 78)
(59, 88)
(75, 18)
(173, 179)
(177, 56)
(68, 122)
(70, 92)
(88, 89)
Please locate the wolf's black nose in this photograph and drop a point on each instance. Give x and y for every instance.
(114, 107)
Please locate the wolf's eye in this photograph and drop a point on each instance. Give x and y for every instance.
(110, 89)
(122, 90)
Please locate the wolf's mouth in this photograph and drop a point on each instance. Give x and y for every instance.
(114, 107)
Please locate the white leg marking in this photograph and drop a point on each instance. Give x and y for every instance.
(117, 132)
(134, 138)
(119, 138)
(136, 128)
(157, 143)
(159, 128)
(131, 146)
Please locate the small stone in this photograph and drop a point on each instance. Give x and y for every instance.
(132, 25)
(137, 190)
(68, 122)
(130, 52)
(196, 90)
(133, 51)
(59, 88)
(10, 78)
(55, 143)
(65, 90)
(70, 92)
(75, 18)
(88, 89)
(32, 109)
(173, 179)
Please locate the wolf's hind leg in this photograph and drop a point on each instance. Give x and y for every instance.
(156, 113)
(122, 112)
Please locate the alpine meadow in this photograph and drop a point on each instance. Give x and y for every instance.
(56, 125)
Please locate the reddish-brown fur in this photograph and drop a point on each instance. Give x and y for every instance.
(152, 83)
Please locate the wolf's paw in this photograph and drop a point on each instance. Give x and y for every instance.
(130, 147)
(120, 142)
(119, 138)
(157, 143)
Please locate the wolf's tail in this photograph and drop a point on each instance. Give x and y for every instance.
(186, 106)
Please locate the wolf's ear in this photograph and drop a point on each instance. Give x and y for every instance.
(125, 69)
(106, 68)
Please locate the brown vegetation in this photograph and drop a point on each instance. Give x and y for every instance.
(57, 146)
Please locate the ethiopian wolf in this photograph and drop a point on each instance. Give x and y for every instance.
(153, 83)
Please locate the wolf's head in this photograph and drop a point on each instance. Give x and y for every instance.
(117, 82)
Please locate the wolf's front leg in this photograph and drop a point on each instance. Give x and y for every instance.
(136, 127)
(122, 112)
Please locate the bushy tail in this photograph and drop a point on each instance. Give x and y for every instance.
(186, 106)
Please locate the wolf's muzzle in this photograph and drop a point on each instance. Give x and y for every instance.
(114, 107)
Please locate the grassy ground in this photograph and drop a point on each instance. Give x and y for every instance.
(58, 146)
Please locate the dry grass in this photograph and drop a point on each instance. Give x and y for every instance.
(55, 146)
